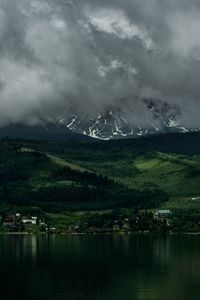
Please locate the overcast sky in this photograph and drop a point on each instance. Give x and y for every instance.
(59, 54)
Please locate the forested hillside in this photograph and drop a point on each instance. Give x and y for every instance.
(142, 173)
(29, 177)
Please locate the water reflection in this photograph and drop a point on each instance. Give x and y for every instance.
(99, 267)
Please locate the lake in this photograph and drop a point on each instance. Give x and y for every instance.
(98, 267)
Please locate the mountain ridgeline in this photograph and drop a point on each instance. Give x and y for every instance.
(112, 123)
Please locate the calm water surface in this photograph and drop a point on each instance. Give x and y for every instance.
(99, 267)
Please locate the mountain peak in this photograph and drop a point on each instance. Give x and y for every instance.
(113, 123)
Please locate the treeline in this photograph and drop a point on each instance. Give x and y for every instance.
(85, 178)
(72, 198)
(32, 179)
(16, 166)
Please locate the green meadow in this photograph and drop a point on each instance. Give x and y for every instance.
(90, 176)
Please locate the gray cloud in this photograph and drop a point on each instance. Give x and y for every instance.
(57, 55)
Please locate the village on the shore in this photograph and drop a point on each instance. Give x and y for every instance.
(157, 221)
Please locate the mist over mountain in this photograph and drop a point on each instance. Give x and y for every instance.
(113, 123)
(63, 59)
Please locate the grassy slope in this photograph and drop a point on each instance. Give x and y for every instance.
(64, 163)
(169, 172)
(56, 160)
(177, 174)
(34, 178)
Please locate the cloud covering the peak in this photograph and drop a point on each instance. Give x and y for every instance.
(63, 55)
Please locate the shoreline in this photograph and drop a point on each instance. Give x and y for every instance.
(98, 233)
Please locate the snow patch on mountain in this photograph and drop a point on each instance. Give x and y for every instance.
(113, 124)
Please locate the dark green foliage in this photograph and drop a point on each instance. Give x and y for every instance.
(86, 178)
(19, 166)
(30, 178)
(186, 221)
(192, 172)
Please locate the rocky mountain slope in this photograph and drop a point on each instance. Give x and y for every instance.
(113, 124)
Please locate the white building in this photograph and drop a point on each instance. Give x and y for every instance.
(32, 220)
(163, 213)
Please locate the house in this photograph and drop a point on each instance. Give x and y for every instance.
(125, 224)
(52, 228)
(34, 220)
(43, 226)
(116, 226)
(31, 220)
(74, 227)
(9, 221)
(195, 198)
(42, 223)
(163, 213)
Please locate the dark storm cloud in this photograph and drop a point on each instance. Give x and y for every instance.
(89, 54)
